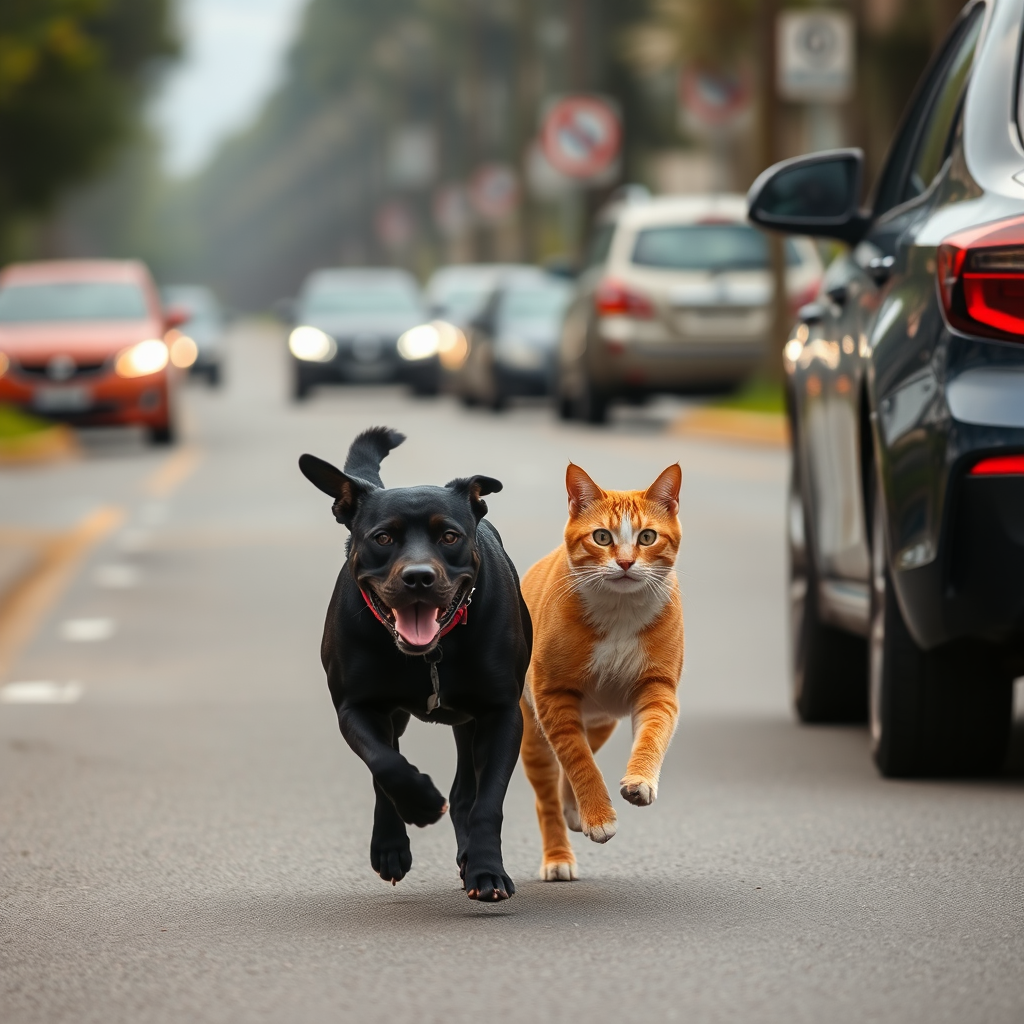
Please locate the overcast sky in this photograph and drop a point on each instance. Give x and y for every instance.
(232, 59)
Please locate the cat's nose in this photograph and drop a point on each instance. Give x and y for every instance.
(418, 576)
(625, 564)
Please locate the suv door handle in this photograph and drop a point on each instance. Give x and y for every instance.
(880, 268)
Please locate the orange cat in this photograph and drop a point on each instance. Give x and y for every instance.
(608, 642)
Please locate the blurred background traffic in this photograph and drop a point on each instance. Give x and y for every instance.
(510, 162)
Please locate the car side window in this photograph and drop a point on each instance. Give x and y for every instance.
(920, 148)
(936, 132)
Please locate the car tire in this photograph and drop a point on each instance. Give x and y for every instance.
(591, 404)
(213, 375)
(944, 712)
(828, 666)
(301, 385)
(163, 435)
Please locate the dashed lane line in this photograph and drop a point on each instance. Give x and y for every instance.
(23, 608)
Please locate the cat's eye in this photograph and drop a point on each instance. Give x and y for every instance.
(449, 537)
(602, 537)
(382, 538)
(647, 537)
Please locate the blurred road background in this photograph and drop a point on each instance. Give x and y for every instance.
(189, 838)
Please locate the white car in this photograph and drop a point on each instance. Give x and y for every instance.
(676, 297)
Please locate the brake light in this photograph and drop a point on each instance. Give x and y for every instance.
(613, 298)
(999, 465)
(981, 280)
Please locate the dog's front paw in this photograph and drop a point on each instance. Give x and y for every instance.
(416, 798)
(391, 858)
(486, 883)
(638, 790)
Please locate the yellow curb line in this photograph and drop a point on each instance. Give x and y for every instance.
(49, 445)
(770, 429)
(168, 476)
(22, 608)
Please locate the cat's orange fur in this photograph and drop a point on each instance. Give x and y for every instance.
(605, 647)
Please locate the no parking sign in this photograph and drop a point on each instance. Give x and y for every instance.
(582, 135)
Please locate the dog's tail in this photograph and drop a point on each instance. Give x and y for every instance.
(368, 450)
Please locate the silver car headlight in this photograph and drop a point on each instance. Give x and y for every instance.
(312, 345)
(419, 342)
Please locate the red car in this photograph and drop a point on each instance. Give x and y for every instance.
(87, 341)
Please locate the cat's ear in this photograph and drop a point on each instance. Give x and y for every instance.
(665, 490)
(582, 490)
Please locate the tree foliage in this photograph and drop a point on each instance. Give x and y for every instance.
(71, 74)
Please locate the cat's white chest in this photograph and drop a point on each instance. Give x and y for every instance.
(618, 658)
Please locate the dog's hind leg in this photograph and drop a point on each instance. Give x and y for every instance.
(463, 792)
(390, 853)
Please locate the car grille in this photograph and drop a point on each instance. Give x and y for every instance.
(38, 371)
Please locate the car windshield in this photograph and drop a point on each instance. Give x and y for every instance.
(78, 300)
(201, 305)
(542, 303)
(363, 299)
(463, 302)
(708, 247)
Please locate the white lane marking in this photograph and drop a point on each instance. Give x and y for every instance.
(40, 692)
(87, 630)
(117, 576)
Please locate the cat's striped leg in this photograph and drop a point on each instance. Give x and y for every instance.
(561, 719)
(558, 863)
(597, 737)
(655, 713)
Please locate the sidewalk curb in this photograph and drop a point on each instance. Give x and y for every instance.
(735, 425)
(49, 445)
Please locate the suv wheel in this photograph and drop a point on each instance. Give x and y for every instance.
(942, 712)
(591, 404)
(828, 666)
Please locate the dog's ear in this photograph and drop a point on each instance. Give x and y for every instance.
(345, 490)
(474, 487)
(581, 489)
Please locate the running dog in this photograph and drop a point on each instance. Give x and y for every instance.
(402, 640)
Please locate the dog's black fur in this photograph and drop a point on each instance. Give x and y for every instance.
(428, 545)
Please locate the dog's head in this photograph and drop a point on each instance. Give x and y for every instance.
(413, 550)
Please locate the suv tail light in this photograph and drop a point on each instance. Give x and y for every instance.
(999, 465)
(981, 280)
(613, 298)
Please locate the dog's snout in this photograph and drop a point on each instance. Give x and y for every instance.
(419, 576)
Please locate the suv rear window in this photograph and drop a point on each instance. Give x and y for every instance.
(79, 300)
(708, 247)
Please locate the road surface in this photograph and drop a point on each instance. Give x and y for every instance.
(184, 835)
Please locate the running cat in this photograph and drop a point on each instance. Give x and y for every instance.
(608, 642)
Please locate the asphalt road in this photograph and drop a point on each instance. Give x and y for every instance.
(186, 838)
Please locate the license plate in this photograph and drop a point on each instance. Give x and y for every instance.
(73, 399)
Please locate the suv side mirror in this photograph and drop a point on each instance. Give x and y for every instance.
(812, 195)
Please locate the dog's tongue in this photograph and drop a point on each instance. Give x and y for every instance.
(417, 624)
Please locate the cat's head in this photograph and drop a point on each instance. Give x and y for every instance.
(623, 541)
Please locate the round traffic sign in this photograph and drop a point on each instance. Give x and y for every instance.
(713, 99)
(494, 191)
(581, 136)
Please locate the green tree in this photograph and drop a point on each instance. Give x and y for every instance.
(71, 76)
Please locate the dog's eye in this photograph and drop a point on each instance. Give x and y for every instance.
(647, 537)
(602, 537)
(383, 538)
(450, 537)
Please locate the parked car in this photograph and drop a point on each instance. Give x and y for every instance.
(348, 324)
(514, 339)
(205, 326)
(906, 398)
(676, 298)
(455, 295)
(83, 341)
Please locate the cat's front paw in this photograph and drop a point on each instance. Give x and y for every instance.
(638, 791)
(600, 828)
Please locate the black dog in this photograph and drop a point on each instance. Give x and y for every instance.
(417, 556)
